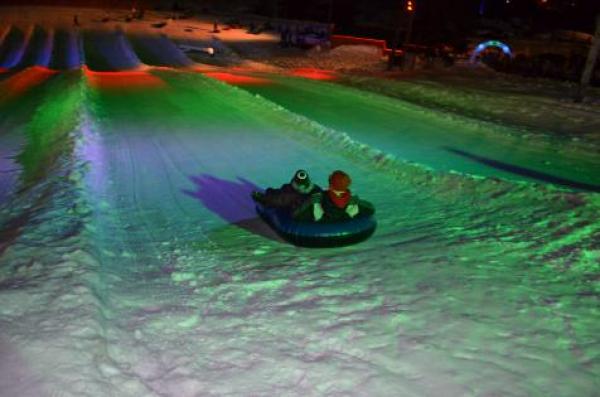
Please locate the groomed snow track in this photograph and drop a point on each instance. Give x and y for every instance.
(132, 262)
(100, 50)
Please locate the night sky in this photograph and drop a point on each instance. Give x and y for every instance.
(539, 15)
(436, 19)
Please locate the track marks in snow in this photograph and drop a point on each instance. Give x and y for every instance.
(50, 286)
(13, 47)
(173, 290)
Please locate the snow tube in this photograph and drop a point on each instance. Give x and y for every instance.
(318, 234)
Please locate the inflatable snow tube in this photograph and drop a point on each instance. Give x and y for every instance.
(318, 234)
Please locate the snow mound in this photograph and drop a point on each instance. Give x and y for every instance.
(158, 50)
(351, 50)
(106, 51)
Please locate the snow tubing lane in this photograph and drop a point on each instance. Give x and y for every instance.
(158, 51)
(318, 235)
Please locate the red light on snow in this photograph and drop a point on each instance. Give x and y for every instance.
(237, 79)
(25, 80)
(3, 70)
(122, 80)
(314, 74)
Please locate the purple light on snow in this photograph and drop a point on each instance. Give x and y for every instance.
(229, 199)
(8, 172)
(43, 58)
(92, 152)
(74, 51)
(14, 55)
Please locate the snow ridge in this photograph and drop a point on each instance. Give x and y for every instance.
(50, 283)
(405, 170)
(13, 52)
(109, 51)
(578, 244)
(39, 48)
(158, 50)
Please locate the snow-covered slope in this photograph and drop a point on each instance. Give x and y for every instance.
(100, 49)
(132, 262)
(441, 140)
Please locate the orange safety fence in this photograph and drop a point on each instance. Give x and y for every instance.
(339, 39)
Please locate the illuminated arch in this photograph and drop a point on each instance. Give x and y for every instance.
(491, 43)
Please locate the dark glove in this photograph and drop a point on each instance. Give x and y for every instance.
(258, 196)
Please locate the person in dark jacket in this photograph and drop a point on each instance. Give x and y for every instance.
(295, 196)
(338, 203)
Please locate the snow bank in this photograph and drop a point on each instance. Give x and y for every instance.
(524, 105)
(116, 280)
(67, 50)
(49, 306)
(109, 51)
(158, 50)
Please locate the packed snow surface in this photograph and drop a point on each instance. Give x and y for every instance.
(132, 262)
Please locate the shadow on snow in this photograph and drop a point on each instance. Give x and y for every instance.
(537, 175)
(231, 201)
